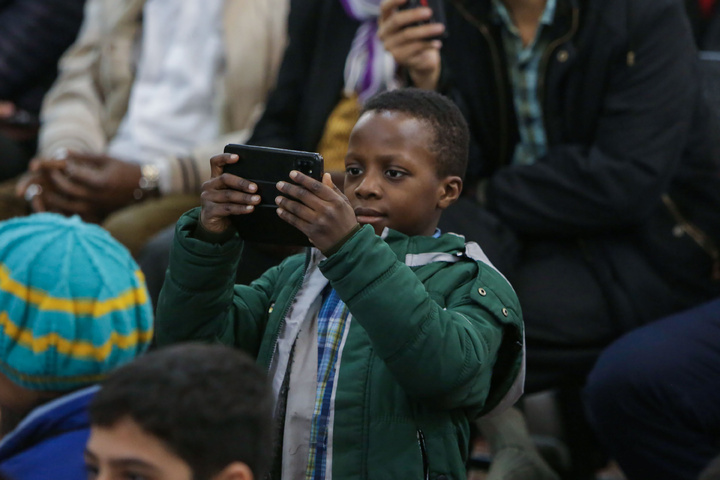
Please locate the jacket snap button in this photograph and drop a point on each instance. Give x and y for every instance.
(482, 291)
(562, 56)
(505, 311)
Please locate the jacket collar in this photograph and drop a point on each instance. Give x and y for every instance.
(66, 413)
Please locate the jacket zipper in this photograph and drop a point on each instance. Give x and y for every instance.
(423, 453)
(545, 62)
(701, 238)
(497, 71)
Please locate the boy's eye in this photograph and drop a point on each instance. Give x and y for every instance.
(394, 173)
(353, 171)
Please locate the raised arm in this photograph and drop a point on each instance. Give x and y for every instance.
(445, 354)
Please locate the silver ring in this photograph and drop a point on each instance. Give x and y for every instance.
(60, 154)
(33, 190)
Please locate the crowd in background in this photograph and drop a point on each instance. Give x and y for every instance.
(592, 185)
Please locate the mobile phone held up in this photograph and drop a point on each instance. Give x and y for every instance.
(437, 8)
(266, 166)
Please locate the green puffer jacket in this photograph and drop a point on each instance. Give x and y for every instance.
(435, 339)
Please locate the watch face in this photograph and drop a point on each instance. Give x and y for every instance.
(149, 176)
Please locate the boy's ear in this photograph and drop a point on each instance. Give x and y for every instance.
(451, 188)
(235, 471)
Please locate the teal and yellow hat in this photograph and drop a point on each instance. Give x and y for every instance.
(73, 303)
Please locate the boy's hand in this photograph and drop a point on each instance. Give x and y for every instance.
(409, 44)
(225, 195)
(321, 211)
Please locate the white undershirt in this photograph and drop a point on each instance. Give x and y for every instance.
(173, 103)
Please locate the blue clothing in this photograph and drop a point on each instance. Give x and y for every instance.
(332, 323)
(653, 396)
(49, 442)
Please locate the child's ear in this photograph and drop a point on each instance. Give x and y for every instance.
(450, 190)
(235, 471)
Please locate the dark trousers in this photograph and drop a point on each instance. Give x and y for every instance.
(654, 396)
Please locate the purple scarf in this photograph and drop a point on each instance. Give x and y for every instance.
(369, 68)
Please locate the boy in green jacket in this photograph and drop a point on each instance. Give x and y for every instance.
(385, 340)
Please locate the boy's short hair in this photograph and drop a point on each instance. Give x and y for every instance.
(211, 405)
(451, 136)
(73, 303)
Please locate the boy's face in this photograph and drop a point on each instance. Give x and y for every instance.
(391, 175)
(126, 451)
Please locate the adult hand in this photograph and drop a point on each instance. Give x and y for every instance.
(93, 185)
(409, 44)
(318, 209)
(225, 195)
(35, 184)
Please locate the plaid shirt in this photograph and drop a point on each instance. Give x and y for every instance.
(332, 321)
(523, 63)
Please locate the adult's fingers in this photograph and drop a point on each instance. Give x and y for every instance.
(396, 21)
(25, 181)
(67, 187)
(419, 35)
(56, 202)
(387, 8)
(39, 164)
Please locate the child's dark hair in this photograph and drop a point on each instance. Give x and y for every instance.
(210, 405)
(450, 130)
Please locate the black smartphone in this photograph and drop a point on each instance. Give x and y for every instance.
(265, 166)
(438, 16)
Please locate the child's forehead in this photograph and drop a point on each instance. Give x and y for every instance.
(391, 126)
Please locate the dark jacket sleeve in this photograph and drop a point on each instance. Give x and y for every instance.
(34, 35)
(642, 129)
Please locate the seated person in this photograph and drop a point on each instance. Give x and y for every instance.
(592, 145)
(385, 340)
(73, 306)
(146, 92)
(35, 33)
(653, 396)
(189, 412)
(592, 142)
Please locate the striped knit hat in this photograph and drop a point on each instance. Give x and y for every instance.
(73, 303)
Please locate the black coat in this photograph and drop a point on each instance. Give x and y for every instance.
(626, 124)
(311, 80)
